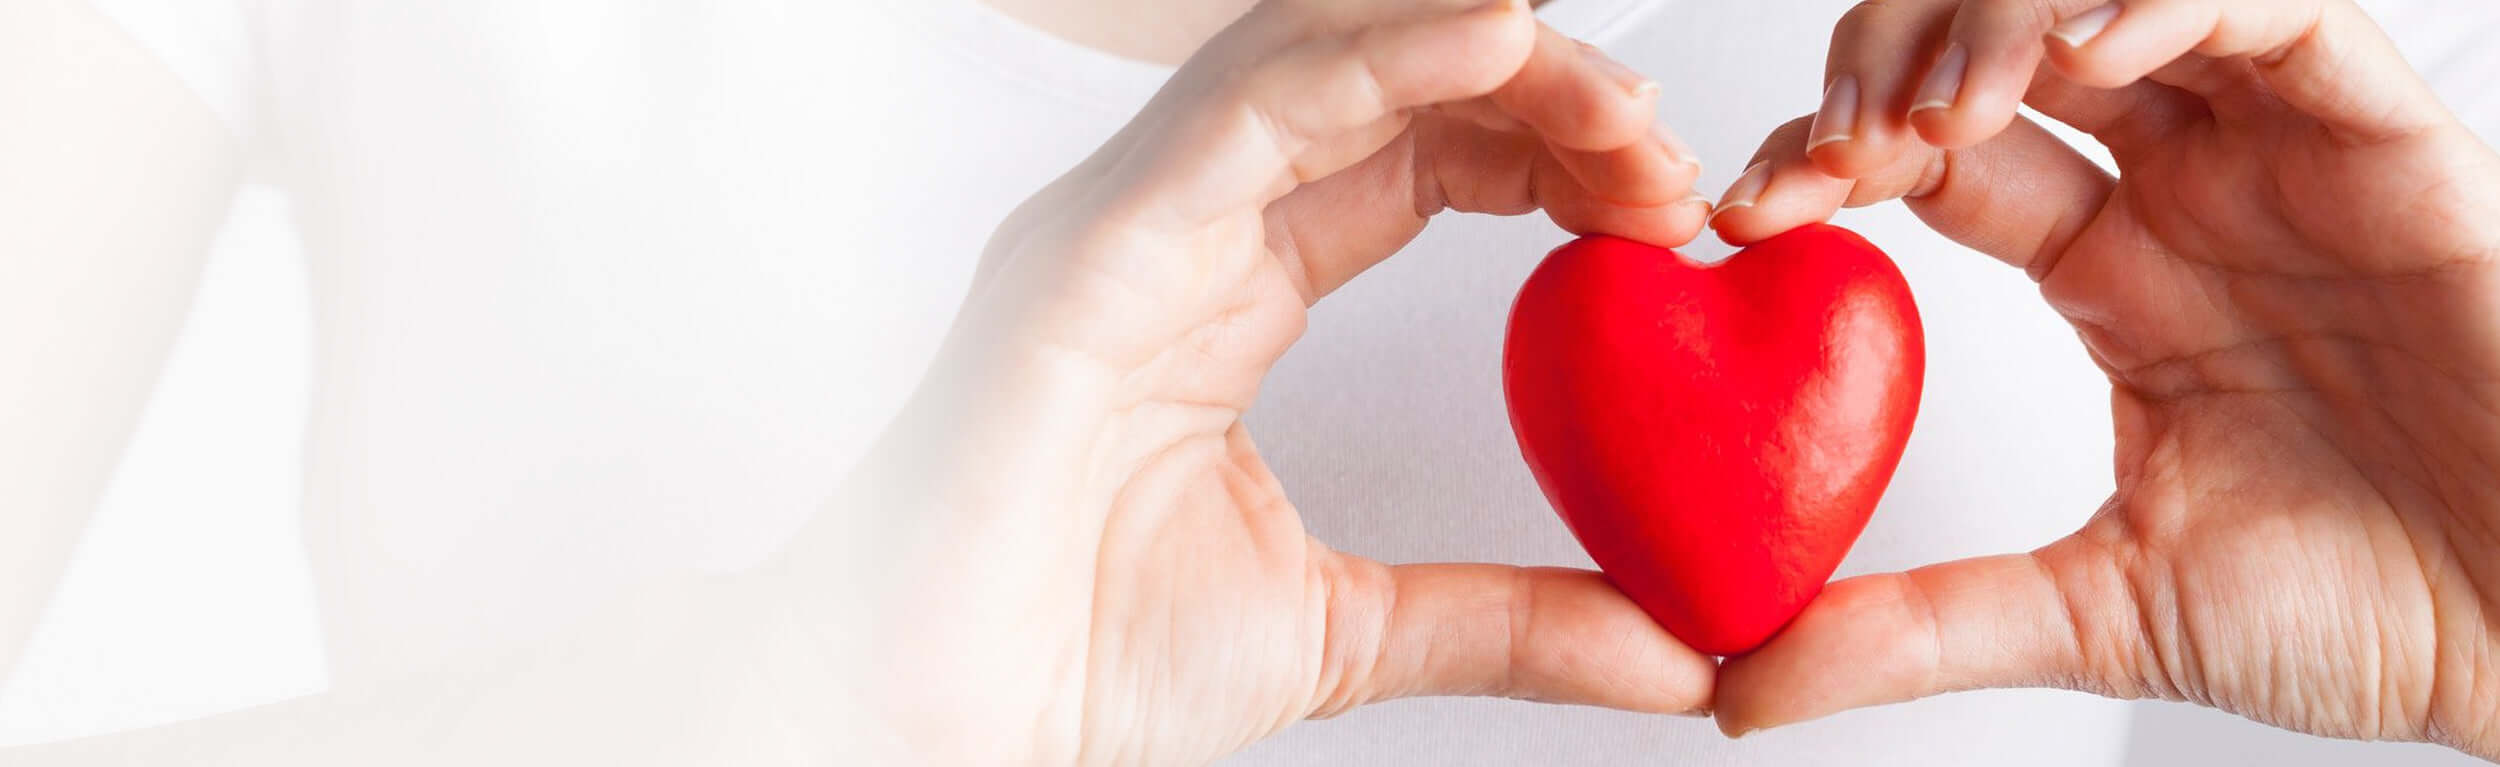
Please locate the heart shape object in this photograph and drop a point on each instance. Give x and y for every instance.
(1715, 435)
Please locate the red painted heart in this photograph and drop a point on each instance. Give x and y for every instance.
(1715, 435)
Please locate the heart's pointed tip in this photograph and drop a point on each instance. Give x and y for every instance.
(1735, 640)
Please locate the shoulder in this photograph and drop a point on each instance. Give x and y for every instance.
(207, 44)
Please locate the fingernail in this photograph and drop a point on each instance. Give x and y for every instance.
(1700, 712)
(1496, 7)
(1944, 84)
(1747, 189)
(1632, 82)
(1839, 116)
(2082, 27)
(1677, 150)
(1707, 209)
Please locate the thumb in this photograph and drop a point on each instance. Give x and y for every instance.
(2063, 617)
(1535, 633)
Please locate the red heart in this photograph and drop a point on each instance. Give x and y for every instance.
(1715, 436)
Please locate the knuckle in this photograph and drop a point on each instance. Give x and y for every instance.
(2032, 15)
(1358, 599)
(1251, 102)
(2011, 18)
(1860, 20)
(1361, 70)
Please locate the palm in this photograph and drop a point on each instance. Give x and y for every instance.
(1215, 627)
(2268, 302)
(1214, 624)
(1227, 613)
(2290, 284)
(1214, 619)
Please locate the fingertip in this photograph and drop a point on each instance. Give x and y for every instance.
(2078, 30)
(1647, 174)
(1733, 223)
(1774, 197)
(2089, 67)
(1830, 155)
(1962, 126)
(1745, 192)
(1737, 225)
(1688, 218)
(2002, 621)
(1875, 139)
(1853, 157)
(1850, 648)
(1974, 86)
(1730, 727)
(1934, 124)
(1672, 225)
(1941, 88)
(1635, 666)
(1745, 225)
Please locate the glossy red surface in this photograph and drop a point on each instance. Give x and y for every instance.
(1715, 436)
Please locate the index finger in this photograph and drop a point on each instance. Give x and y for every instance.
(1599, 119)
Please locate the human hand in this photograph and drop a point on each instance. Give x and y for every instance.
(2291, 286)
(1068, 546)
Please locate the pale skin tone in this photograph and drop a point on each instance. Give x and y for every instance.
(2292, 291)
(1169, 605)
(93, 143)
(1146, 30)
(1158, 31)
(765, 667)
(1092, 565)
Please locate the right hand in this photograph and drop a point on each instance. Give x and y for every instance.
(2294, 288)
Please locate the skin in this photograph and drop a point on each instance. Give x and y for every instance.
(97, 142)
(1082, 304)
(1167, 604)
(1158, 31)
(2291, 286)
(1155, 31)
(2291, 291)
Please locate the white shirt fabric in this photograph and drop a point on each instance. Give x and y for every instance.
(608, 292)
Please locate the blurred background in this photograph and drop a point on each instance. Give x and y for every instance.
(188, 595)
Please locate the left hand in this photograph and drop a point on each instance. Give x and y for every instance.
(2293, 285)
(1068, 549)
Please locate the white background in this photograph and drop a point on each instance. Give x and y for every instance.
(189, 593)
